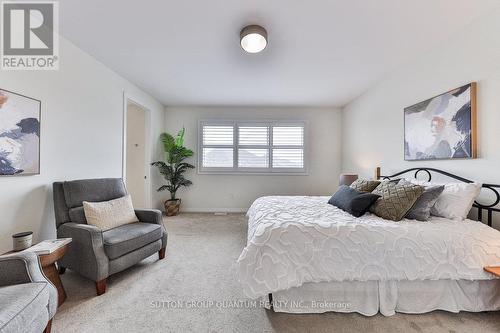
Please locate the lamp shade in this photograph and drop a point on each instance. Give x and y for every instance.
(347, 178)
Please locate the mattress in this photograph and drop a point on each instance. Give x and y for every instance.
(295, 240)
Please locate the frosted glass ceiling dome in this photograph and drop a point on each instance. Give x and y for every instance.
(253, 38)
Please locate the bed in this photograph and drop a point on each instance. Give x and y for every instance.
(306, 256)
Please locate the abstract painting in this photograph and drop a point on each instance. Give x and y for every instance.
(19, 134)
(442, 127)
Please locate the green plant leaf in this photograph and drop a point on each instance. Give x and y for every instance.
(162, 188)
(179, 141)
(168, 144)
(174, 167)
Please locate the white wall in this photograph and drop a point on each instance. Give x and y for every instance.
(373, 123)
(237, 192)
(81, 136)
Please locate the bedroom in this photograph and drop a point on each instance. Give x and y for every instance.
(326, 97)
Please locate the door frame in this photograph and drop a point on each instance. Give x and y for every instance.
(128, 97)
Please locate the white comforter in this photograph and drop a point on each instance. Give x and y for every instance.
(294, 240)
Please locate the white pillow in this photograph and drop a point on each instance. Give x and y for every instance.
(455, 201)
(110, 214)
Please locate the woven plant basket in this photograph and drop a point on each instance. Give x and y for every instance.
(172, 207)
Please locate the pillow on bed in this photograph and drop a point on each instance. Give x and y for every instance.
(421, 210)
(365, 185)
(354, 202)
(456, 200)
(396, 200)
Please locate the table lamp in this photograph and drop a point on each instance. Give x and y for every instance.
(347, 178)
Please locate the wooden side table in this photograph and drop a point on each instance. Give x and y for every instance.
(495, 270)
(48, 262)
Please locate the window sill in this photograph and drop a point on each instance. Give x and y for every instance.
(240, 173)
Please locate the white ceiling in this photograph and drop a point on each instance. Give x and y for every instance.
(187, 52)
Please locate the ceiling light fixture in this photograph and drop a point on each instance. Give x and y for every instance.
(253, 38)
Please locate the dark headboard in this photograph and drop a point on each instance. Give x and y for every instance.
(481, 207)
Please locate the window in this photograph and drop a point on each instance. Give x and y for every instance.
(251, 147)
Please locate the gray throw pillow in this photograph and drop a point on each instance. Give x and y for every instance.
(352, 201)
(421, 209)
(396, 200)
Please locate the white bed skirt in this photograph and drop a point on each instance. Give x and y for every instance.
(388, 297)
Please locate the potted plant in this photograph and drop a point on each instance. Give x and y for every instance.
(173, 169)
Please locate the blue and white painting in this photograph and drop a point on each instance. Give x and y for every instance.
(441, 127)
(19, 134)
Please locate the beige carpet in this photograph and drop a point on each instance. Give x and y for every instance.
(200, 265)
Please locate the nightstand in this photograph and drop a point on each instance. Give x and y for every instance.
(495, 270)
(48, 263)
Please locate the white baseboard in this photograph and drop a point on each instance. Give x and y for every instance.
(213, 210)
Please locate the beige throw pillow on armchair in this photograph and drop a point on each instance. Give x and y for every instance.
(110, 214)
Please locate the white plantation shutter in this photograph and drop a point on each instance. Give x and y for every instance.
(218, 135)
(218, 157)
(253, 135)
(288, 136)
(260, 147)
(253, 158)
(218, 141)
(288, 158)
(288, 147)
(253, 142)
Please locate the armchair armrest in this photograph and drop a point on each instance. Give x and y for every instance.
(149, 216)
(153, 216)
(86, 253)
(22, 267)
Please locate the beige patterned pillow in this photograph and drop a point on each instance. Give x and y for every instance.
(396, 199)
(110, 214)
(365, 185)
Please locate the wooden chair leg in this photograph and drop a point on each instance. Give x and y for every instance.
(161, 253)
(48, 327)
(100, 287)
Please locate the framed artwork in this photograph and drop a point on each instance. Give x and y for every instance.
(442, 127)
(19, 134)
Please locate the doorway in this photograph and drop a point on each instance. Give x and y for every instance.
(136, 153)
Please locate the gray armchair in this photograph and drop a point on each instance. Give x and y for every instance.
(28, 301)
(96, 254)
